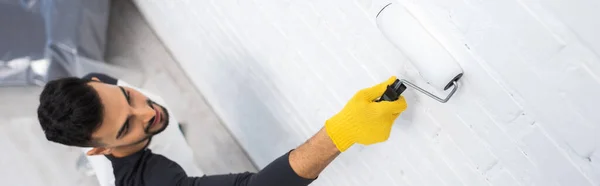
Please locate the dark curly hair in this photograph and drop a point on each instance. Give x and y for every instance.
(70, 111)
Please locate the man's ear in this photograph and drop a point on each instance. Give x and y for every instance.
(96, 79)
(99, 151)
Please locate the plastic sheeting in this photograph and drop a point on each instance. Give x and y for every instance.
(42, 40)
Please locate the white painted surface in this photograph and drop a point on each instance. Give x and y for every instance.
(275, 70)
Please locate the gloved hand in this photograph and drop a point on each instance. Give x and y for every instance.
(363, 120)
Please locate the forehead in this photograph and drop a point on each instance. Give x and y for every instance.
(115, 110)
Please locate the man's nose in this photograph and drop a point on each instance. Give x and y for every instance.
(145, 114)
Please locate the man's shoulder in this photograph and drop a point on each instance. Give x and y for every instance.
(146, 168)
(102, 77)
(160, 170)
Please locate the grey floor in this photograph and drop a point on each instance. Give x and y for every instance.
(28, 159)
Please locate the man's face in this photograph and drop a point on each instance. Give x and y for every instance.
(130, 118)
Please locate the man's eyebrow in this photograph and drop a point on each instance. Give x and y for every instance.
(120, 132)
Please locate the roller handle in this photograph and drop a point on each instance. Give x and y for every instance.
(393, 91)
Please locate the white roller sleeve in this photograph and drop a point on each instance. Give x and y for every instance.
(431, 59)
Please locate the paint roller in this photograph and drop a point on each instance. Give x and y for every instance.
(437, 67)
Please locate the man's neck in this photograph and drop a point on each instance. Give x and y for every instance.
(121, 152)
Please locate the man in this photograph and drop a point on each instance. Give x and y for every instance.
(120, 123)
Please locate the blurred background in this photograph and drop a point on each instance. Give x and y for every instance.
(252, 79)
(133, 53)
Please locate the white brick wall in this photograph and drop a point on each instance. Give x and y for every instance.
(275, 70)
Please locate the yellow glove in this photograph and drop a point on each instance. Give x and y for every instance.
(363, 120)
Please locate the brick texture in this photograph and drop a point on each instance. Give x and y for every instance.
(275, 70)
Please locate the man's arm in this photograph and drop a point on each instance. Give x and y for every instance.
(310, 158)
(297, 168)
(161, 171)
(301, 167)
(363, 121)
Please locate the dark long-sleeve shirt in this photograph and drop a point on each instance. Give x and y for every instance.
(149, 169)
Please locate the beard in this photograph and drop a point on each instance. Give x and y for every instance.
(149, 132)
(165, 118)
